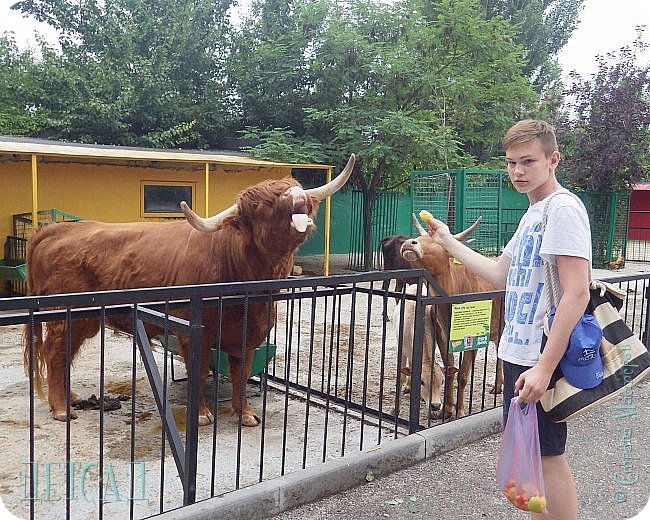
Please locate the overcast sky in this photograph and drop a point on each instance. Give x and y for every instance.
(605, 25)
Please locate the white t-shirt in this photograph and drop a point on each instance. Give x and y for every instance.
(567, 234)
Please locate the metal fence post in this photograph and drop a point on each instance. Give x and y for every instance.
(193, 395)
(416, 362)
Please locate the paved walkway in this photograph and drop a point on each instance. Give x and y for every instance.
(461, 484)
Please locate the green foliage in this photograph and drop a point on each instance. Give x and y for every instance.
(282, 145)
(269, 69)
(136, 72)
(542, 27)
(20, 111)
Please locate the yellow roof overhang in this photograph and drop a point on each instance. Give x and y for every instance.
(60, 149)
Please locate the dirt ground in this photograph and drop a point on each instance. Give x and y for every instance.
(314, 350)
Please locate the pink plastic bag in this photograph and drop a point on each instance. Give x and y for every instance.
(519, 466)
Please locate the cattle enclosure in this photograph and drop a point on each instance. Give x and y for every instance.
(329, 391)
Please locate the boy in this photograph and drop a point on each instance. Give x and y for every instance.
(532, 157)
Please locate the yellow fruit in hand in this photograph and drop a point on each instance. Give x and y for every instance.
(536, 504)
(425, 216)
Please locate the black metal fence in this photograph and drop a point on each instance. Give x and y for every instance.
(330, 388)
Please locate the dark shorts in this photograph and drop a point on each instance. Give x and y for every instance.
(552, 435)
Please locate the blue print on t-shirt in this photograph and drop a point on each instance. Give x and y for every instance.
(521, 299)
(525, 257)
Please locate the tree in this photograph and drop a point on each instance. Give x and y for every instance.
(543, 27)
(20, 113)
(406, 87)
(282, 145)
(473, 72)
(269, 69)
(605, 141)
(140, 73)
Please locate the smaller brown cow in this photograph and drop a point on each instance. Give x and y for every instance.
(454, 278)
(432, 372)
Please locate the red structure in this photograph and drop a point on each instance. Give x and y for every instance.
(639, 227)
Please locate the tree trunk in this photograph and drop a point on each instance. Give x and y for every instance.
(368, 205)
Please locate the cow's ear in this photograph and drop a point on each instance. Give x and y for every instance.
(406, 371)
(451, 370)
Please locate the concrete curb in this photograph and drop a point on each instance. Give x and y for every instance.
(273, 496)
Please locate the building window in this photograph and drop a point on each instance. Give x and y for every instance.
(162, 199)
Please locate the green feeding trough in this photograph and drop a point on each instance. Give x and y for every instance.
(219, 359)
(13, 270)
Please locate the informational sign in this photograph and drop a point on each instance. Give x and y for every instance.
(470, 325)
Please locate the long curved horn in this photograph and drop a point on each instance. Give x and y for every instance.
(463, 234)
(206, 224)
(418, 226)
(334, 185)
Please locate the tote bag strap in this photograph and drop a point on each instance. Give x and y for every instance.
(551, 277)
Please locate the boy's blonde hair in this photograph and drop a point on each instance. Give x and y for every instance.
(529, 129)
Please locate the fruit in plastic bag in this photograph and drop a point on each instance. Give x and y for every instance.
(519, 497)
(510, 491)
(537, 504)
(519, 466)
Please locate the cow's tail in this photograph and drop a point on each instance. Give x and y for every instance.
(37, 361)
(33, 341)
(380, 249)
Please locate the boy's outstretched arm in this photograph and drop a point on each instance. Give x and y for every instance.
(491, 269)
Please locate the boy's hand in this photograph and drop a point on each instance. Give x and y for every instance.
(438, 230)
(531, 384)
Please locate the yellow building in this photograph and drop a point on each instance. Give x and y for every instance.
(125, 184)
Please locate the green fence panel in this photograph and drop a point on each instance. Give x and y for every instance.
(609, 217)
(459, 197)
(340, 219)
(383, 222)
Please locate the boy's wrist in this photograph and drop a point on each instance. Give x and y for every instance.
(546, 365)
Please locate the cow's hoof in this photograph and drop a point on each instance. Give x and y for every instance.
(447, 414)
(62, 416)
(494, 389)
(250, 420)
(204, 420)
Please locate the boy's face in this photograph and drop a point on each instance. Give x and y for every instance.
(530, 171)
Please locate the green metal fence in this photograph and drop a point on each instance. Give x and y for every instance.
(609, 218)
(22, 222)
(383, 223)
(12, 267)
(460, 196)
